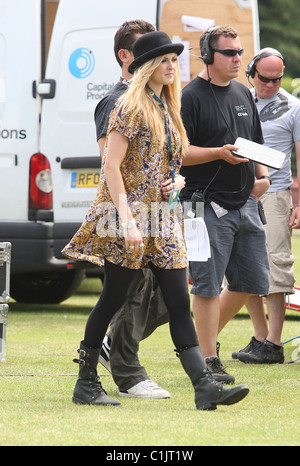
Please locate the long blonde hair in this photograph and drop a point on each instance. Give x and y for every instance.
(138, 99)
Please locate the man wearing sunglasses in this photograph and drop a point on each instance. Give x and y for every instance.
(280, 118)
(216, 109)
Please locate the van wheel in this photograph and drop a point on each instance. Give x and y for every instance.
(52, 287)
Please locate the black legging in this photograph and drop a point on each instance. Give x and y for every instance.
(174, 289)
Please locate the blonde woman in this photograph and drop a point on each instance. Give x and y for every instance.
(135, 221)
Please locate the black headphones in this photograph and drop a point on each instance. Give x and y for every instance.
(206, 52)
(251, 68)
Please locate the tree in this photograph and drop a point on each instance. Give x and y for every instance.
(279, 28)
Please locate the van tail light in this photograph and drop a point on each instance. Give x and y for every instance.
(40, 185)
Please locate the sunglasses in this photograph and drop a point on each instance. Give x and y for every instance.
(268, 80)
(230, 52)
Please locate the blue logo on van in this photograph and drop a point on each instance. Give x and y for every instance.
(81, 63)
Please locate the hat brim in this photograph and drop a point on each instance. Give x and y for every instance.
(157, 52)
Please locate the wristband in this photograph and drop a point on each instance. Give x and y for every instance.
(266, 178)
(129, 224)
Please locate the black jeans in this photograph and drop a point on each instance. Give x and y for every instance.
(175, 292)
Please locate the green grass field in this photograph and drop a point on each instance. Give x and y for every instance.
(38, 376)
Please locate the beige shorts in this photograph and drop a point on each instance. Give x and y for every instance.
(278, 207)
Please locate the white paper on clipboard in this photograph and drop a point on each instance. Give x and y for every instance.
(196, 240)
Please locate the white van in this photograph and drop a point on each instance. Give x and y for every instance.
(56, 62)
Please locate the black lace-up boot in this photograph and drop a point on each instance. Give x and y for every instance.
(208, 392)
(88, 389)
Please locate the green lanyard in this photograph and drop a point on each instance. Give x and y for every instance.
(168, 131)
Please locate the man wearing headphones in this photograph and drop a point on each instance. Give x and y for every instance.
(216, 110)
(280, 119)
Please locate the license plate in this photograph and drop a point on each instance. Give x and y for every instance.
(85, 179)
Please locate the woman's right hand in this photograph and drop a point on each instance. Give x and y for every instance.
(133, 240)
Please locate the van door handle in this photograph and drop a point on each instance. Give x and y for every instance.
(80, 162)
(46, 89)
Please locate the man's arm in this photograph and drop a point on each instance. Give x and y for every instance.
(198, 155)
(101, 144)
(260, 186)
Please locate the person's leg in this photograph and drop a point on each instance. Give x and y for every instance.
(116, 284)
(230, 304)
(208, 336)
(143, 311)
(268, 349)
(208, 392)
(176, 296)
(207, 278)
(126, 333)
(248, 269)
(278, 208)
(88, 389)
(256, 309)
(207, 313)
(158, 312)
(276, 306)
(247, 272)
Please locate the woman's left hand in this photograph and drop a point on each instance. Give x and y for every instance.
(168, 186)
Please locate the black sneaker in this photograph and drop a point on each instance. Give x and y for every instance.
(264, 352)
(217, 370)
(247, 349)
(104, 353)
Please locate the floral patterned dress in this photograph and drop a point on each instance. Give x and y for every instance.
(143, 169)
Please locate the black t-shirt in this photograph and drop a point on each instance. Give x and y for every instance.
(205, 107)
(105, 106)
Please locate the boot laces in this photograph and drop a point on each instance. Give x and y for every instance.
(96, 386)
(207, 373)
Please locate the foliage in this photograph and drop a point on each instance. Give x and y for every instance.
(279, 28)
(291, 85)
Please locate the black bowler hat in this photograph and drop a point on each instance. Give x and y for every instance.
(152, 45)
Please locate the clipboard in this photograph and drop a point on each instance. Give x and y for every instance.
(258, 153)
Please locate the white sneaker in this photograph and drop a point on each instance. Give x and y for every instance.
(146, 389)
(104, 353)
